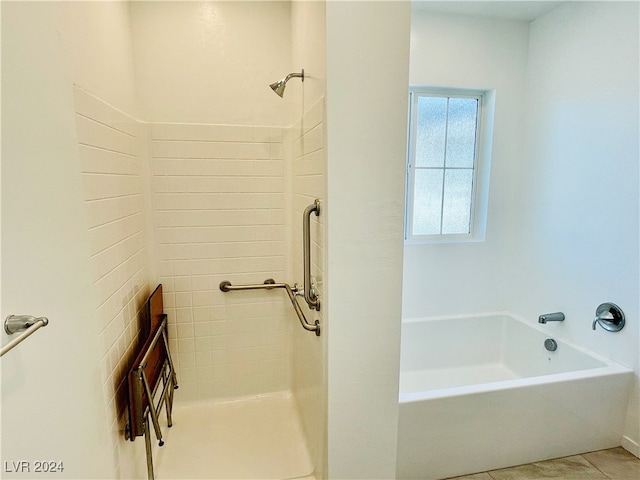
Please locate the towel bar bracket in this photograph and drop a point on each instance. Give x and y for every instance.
(17, 323)
(21, 323)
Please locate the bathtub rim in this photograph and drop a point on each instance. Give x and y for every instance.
(610, 367)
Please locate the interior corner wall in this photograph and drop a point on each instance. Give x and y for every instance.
(366, 145)
(578, 234)
(480, 53)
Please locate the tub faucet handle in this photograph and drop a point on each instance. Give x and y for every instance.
(551, 317)
(610, 317)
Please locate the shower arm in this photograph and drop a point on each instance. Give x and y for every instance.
(270, 284)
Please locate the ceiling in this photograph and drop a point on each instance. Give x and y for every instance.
(515, 10)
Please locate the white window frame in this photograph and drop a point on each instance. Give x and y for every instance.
(482, 164)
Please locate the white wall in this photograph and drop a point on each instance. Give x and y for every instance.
(52, 398)
(577, 232)
(309, 51)
(212, 62)
(470, 52)
(366, 132)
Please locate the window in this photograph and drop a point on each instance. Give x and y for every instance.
(447, 165)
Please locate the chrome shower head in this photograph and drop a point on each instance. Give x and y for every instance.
(280, 85)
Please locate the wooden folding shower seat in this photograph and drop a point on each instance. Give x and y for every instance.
(153, 367)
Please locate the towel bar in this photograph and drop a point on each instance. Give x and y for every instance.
(16, 323)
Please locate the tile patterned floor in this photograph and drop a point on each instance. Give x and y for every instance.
(612, 464)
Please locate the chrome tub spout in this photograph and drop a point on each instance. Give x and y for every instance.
(551, 317)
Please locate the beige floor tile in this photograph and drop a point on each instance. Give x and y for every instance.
(616, 463)
(475, 476)
(567, 468)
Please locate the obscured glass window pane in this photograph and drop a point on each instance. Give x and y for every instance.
(427, 205)
(430, 131)
(461, 132)
(456, 211)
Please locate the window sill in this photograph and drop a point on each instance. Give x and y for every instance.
(444, 240)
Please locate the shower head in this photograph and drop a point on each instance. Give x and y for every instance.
(279, 86)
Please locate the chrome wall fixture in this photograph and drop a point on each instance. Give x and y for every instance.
(310, 295)
(609, 316)
(270, 284)
(308, 291)
(550, 344)
(280, 85)
(551, 317)
(21, 323)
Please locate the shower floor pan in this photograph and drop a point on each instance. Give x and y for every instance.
(250, 438)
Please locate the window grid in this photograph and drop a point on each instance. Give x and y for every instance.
(412, 164)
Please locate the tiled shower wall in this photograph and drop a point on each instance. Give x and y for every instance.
(219, 215)
(112, 173)
(219, 197)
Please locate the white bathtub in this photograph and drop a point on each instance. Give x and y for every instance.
(480, 393)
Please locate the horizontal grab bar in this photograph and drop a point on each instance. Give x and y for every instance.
(16, 323)
(270, 284)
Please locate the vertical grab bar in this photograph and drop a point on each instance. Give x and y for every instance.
(309, 292)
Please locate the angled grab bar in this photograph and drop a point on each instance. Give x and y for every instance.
(309, 291)
(270, 284)
(17, 323)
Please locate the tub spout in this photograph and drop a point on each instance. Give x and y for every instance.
(551, 317)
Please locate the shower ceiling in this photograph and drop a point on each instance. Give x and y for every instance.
(515, 10)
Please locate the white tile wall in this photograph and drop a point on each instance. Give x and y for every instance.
(111, 168)
(219, 215)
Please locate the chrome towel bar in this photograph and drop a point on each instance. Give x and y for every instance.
(270, 284)
(18, 323)
(309, 290)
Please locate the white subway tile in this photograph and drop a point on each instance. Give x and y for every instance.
(202, 329)
(187, 359)
(204, 373)
(201, 314)
(186, 345)
(200, 132)
(185, 330)
(186, 375)
(184, 315)
(96, 134)
(203, 344)
(92, 107)
(203, 358)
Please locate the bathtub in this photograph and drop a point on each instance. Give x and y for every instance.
(480, 393)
